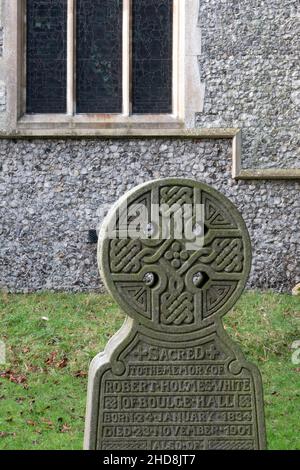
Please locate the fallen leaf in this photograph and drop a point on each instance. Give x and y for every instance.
(18, 379)
(80, 373)
(6, 434)
(65, 428)
(5, 375)
(31, 423)
(47, 422)
(13, 377)
(263, 359)
(51, 359)
(63, 363)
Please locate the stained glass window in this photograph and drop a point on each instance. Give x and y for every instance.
(152, 23)
(91, 32)
(99, 56)
(46, 56)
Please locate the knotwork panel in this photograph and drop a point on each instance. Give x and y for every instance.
(163, 278)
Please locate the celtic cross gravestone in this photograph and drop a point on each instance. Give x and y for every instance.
(175, 254)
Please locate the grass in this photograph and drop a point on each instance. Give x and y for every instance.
(51, 338)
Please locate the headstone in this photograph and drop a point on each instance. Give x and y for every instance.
(175, 255)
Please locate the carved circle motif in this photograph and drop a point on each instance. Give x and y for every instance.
(161, 282)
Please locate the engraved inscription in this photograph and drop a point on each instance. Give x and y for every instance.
(199, 399)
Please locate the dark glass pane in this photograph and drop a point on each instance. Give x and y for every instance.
(46, 56)
(152, 56)
(99, 56)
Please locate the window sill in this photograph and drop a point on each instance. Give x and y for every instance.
(96, 122)
(61, 125)
(30, 127)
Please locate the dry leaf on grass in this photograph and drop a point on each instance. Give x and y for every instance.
(51, 359)
(65, 428)
(80, 373)
(31, 423)
(63, 363)
(13, 377)
(47, 422)
(7, 434)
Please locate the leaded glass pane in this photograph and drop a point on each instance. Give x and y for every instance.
(99, 56)
(152, 56)
(46, 56)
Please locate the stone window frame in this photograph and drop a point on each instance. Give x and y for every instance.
(187, 90)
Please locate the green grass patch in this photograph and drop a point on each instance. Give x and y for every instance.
(51, 338)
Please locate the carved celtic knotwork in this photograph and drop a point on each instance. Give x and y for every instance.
(229, 255)
(186, 284)
(226, 255)
(179, 195)
(177, 307)
(125, 255)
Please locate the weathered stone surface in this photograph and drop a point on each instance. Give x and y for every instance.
(1, 40)
(250, 67)
(51, 190)
(2, 97)
(171, 378)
